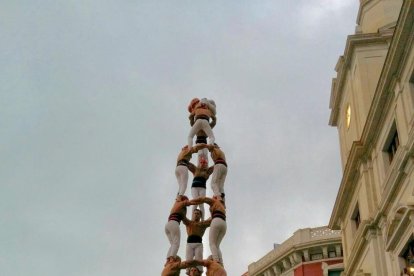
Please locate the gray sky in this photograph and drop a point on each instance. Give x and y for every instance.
(93, 112)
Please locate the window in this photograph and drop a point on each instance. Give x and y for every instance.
(332, 254)
(356, 217)
(411, 85)
(348, 116)
(334, 273)
(408, 257)
(316, 256)
(392, 148)
(392, 144)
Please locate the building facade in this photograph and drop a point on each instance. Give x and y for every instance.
(309, 252)
(372, 106)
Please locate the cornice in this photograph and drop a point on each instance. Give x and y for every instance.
(274, 257)
(394, 180)
(295, 249)
(391, 71)
(343, 63)
(393, 66)
(361, 7)
(345, 191)
(359, 244)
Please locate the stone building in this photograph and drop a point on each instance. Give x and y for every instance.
(310, 251)
(372, 106)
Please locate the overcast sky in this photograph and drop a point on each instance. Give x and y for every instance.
(93, 112)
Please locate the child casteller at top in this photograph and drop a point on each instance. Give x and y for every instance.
(201, 111)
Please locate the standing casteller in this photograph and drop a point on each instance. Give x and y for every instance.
(218, 226)
(220, 170)
(181, 170)
(200, 113)
(201, 174)
(172, 228)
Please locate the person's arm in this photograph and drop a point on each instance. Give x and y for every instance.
(191, 118)
(213, 121)
(207, 222)
(185, 220)
(183, 205)
(185, 264)
(201, 200)
(210, 170)
(191, 167)
(196, 263)
(210, 148)
(212, 106)
(198, 147)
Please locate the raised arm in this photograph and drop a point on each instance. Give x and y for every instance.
(210, 147)
(213, 121)
(191, 118)
(201, 200)
(191, 167)
(198, 147)
(207, 222)
(195, 263)
(210, 170)
(212, 106)
(184, 204)
(185, 220)
(187, 264)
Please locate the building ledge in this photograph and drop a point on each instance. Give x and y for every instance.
(301, 240)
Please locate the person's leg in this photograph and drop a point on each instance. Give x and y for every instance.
(221, 177)
(181, 172)
(169, 237)
(194, 194)
(212, 239)
(207, 129)
(220, 236)
(199, 254)
(172, 230)
(202, 192)
(217, 231)
(194, 129)
(189, 254)
(215, 181)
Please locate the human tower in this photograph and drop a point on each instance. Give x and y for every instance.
(202, 120)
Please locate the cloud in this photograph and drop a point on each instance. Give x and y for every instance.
(94, 99)
(314, 15)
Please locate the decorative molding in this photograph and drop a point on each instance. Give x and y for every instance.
(345, 192)
(401, 219)
(323, 232)
(393, 66)
(361, 7)
(353, 41)
(360, 242)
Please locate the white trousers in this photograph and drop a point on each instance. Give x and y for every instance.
(218, 229)
(172, 230)
(195, 193)
(181, 172)
(200, 124)
(218, 178)
(194, 251)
